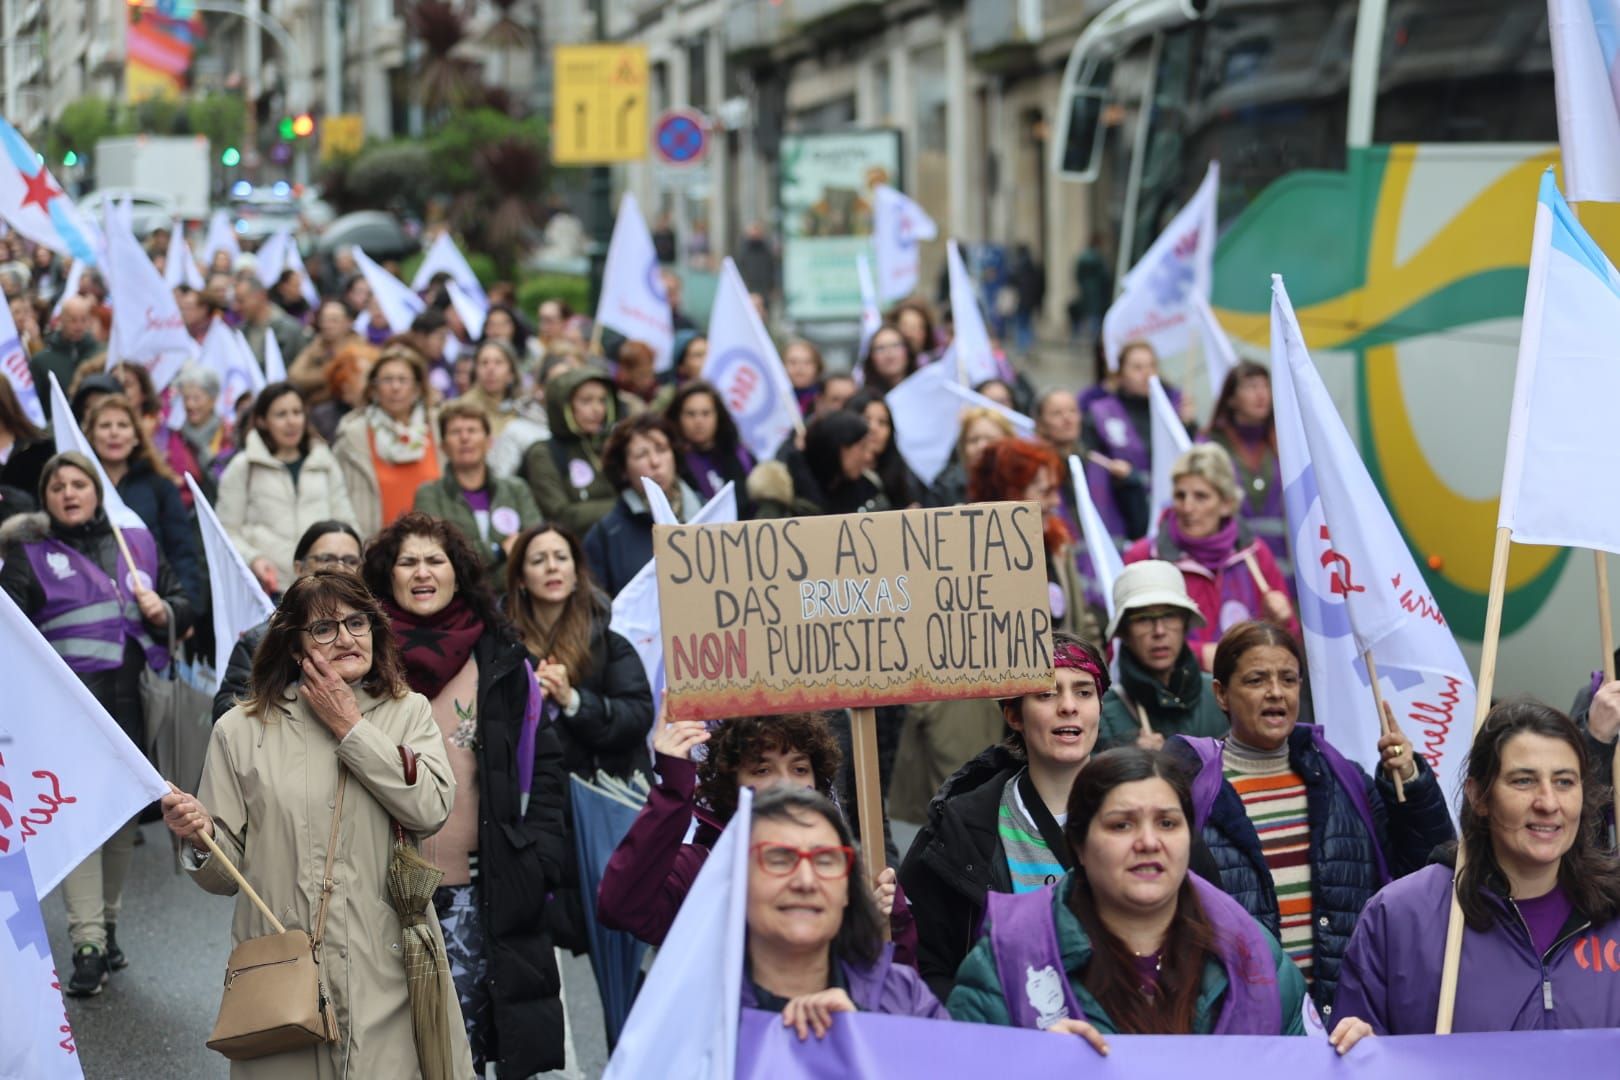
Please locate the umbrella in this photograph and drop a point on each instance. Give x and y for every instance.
(603, 813)
(411, 881)
(376, 233)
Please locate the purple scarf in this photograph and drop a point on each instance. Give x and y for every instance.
(1210, 552)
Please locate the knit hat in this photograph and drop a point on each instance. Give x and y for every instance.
(1148, 584)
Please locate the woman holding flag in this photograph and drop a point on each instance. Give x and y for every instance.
(107, 619)
(1243, 426)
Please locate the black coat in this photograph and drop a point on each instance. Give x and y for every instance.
(609, 731)
(118, 690)
(955, 862)
(523, 856)
(1344, 873)
(238, 670)
(619, 545)
(26, 462)
(156, 501)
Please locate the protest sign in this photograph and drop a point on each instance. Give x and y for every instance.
(858, 610)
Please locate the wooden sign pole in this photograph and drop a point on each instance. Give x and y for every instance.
(1386, 721)
(868, 793)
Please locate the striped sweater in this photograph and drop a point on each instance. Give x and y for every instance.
(1274, 797)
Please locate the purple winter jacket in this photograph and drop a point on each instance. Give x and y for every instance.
(1390, 976)
(886, 987)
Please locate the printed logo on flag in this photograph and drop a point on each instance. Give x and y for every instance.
(737, 375)
(655, 281)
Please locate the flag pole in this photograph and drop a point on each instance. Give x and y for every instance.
(129, 559)
(1142, 718)
(868, 793)
(1487, 676)
(1386, 719)
(1606, 636)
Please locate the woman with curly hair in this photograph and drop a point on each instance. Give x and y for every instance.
(653, 869)
(504, 846)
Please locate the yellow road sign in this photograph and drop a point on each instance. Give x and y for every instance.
(599, 111)
(342, 135)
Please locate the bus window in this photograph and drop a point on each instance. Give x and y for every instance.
(1465, 71)
(1084, 131)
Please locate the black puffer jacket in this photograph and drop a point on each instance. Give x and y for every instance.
(955, 862)
(238, 670)
(523, 857)
(609, 731)
(1344, 865)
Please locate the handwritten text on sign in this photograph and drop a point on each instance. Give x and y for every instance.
(860, 610)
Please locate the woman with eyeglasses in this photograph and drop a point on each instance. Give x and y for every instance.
(325, 545)
(504, 849)
(282, 482)
(815, 945)
(331, 742)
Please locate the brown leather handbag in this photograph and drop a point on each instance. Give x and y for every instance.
(275, 999)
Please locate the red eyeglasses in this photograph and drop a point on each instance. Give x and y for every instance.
(828, 863)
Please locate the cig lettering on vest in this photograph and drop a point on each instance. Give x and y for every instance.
(87, 615)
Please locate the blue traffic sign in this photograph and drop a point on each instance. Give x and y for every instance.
(680, 137)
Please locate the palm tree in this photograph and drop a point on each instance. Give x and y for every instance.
(445, 80)
(514, 170)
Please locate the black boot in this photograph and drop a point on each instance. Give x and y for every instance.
(116, 960)
(89, 972)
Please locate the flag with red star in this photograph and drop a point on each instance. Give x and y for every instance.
(34, 203)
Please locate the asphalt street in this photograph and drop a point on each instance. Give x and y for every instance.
(153, 1019)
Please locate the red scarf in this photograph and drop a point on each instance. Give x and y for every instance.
(434, 647)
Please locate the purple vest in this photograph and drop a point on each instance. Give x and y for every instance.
(1029, 962)
(1119, 436)
(1264, 514)
(1212, 777)
(87, 615)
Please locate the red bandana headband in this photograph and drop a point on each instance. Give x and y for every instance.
(1073, 656)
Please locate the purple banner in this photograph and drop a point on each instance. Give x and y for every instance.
(891, 1046)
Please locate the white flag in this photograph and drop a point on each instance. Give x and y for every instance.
(472, 310)
(871, 316)
(179, 268)
(306, 284)
(898, 223)
(684, 1022)
(239, 604)
(633, 300)
(444, 257)
(1359, 587)
(275, 365)
(147, 328)
(84, 778)
(744, 366)
(1170, 441)
(271, 260)
(1219, 359)
(35, 1040)
(226, 352)
(70, 287)
(399, 305)
(1152, 304)
(1106, 563)
(974, 353)
(1559, 442)
(635, 610)
(69, 436)
(1586, 81)
(221, 237)
(927, 408)
(14, 368)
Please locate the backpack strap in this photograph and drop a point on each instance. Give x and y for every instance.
(1029, 963)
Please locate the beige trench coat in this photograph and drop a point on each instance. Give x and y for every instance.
(270, 788)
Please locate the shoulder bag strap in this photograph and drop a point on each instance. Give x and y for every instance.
(327, 884)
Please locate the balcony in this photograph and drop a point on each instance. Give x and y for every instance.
(755, 27)
(1003, 35)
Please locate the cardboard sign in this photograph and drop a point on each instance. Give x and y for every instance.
(765, 617)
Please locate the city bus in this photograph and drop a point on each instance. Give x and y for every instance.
(1383, 156)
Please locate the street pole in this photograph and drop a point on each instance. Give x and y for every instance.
(599, 207)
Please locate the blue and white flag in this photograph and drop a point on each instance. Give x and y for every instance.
(147, 328)
(179, 268)
(685, 1019)
(1358, 585)
(443, 257)
(898, 224)
(35, 205)
(399, 306)
(1106, 563)
(927, 408)
(635, 614)
(975, 355)
(238, 602)
(221, 237)
(871, 313)
(75, 778)
(69, 436)
(15, 370)
(1170, 441)
(1152, 304)
(744, 366)
(1586, 84)
(633, 300)
(1559, 438)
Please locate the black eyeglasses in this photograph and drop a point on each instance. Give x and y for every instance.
(325, 631)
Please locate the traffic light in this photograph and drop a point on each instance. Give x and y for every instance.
(285, 129)
(303, 125)
(230, 157)
(70, 159)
